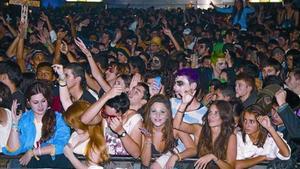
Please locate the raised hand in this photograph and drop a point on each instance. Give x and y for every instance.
(167, 31)
(3, 21)
(265, 122)
(188, 96)
(59, 70)
(280, 96)
(135, 80)
(15, 115)
(116, 90)
(44, 17)
(82, 47)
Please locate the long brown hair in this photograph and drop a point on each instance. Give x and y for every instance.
(167, 130)
(97, 141)
(49, 119)
(219, 147)
(256, 110)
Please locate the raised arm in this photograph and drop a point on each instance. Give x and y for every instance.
(289, 118)
(284, 149)
(20, 47)
(60, 35)
(13, 142)
(11, 29)
(174, 41)
(64, 94)
(97, 74)
(90, 115)
(12, 50)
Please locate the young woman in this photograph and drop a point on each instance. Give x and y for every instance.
(258, 141)
(217, 141)
(87, 140)
(159, 136)
(40, 132)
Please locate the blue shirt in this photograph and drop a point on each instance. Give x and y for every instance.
(27, 133)
(242, 21)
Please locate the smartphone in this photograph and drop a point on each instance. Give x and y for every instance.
(158, 81)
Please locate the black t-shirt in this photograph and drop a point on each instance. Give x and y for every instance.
(87, 96)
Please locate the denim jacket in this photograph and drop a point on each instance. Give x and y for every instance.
(27, 134)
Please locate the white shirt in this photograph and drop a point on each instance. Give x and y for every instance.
(247, 149)
(5, 130)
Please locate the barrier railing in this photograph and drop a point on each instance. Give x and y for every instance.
(136, 162)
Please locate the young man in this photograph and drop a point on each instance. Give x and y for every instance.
(245, 89)
(186, 84)
(293, 81)
(271, 67)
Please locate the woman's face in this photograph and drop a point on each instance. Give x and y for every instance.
(38, 104)
(111, 73)
(214, 118)
(159, 114)
(250, 123)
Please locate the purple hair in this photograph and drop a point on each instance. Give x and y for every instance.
(191, 74)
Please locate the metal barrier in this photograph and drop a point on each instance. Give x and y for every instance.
(136, 162)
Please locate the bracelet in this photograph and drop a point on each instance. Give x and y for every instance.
(148, 142)
(14, 125)
(34, 155)
(62, 85)
(179, 157)
(180, 111)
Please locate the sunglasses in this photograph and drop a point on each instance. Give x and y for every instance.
(105, 115)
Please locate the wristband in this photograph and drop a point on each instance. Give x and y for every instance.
(180, 111)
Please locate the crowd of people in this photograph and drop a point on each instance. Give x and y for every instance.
(221, 85)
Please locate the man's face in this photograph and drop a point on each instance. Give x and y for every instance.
(105, 38)
(181, 86)
(70, 78)
(45, 73)
(281, 41)
(136, 94)
(269, 70)
(291, 81)
(242, 88)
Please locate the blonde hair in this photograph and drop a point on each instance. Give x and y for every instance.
(97, 143)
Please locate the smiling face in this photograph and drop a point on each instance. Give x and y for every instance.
(38, 104)
(159, 114)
